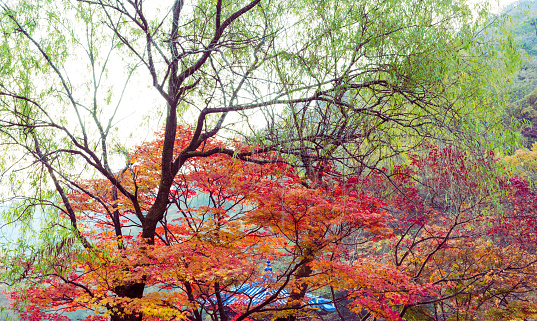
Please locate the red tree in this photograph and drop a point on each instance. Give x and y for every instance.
(224, 219)
(463, 224)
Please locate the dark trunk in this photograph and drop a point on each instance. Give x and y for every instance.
(298, 293)
(125, 317)
(133, 291)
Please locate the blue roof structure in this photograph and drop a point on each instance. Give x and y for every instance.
(253, 294)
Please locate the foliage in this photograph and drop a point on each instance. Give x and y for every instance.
(466, 227)
(450, 245)
(521, 17)
(524, 163)
(229, 217)
(340, 88)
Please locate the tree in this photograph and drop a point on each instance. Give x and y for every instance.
(523, 163)
(452, 249)
(383, 79)
(227, 218)
(463, 224)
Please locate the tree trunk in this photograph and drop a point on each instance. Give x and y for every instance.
(298, 293)
(132, 291)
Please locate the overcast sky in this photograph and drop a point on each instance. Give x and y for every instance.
(498, 5)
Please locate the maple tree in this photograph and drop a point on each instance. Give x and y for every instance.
(227, 218)
(429, 242)
(465, 225)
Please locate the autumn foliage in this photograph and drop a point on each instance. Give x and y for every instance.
(431, 239)
(466, 227)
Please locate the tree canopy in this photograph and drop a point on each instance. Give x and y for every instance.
(304, 97)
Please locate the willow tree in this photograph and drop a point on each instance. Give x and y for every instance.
(346, 81)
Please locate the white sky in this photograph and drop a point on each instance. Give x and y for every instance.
(498, 5)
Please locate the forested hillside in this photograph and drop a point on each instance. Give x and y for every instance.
(523, 89)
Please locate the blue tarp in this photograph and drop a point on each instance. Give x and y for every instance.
(253, 294)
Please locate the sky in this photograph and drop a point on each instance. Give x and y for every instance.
(498, 5)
